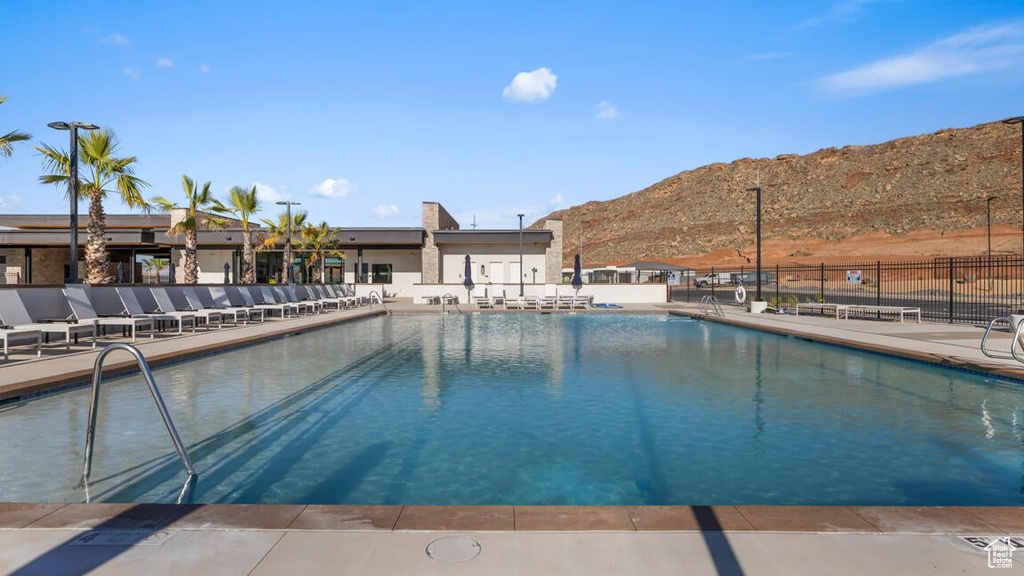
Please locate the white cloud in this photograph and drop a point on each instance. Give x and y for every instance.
(165, 63)
(204, 68)
(558, 202)
(979, 49)
(530, 86)
(130, 72)
(10, 200)
(605, 109)
(385, 211)
(268, 194)
(331, 188)
(117, 40)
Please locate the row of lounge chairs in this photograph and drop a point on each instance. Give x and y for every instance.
(565, 302)
(180, 307)
(864, 310)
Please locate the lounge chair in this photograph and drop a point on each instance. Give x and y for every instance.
(83, 311)
(222, 298)
(269, 298)
(195, 304)
(219, 301)
(165, 305)
(289, 296)
(316, 305)
(6, 334)
(134, 307)
(15, 316)
(249, 298)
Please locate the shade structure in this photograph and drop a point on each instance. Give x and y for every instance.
(577, 277)
(467, 280)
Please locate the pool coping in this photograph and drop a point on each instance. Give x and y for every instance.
(963, 364)
(966, 520)
(959, 520)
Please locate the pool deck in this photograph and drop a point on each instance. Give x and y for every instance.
(58, 538)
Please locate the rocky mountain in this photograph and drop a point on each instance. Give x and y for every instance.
(937, 182)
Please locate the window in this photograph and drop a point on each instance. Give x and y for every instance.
(381, 274)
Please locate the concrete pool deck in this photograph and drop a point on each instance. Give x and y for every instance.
(59, 538)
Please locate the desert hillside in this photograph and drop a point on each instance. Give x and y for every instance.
(914, 197)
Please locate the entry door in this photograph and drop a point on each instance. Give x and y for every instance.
(517, 276)
(497, 273)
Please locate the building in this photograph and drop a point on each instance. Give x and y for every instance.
(400, 261)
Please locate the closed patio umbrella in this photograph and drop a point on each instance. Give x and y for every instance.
(120, 272)
(467, 279)
(577, 278)
(170, 271)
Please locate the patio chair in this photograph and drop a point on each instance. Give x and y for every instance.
(289, 296)
(221, 303)
(165, 305)
(134, 307)
(15, 316)
(83, 311)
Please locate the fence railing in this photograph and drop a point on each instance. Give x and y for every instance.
(954, 290)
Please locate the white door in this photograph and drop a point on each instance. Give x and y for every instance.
(497, 273)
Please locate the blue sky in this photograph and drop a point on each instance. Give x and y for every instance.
(363, 110)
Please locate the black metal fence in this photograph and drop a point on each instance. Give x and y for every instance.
(954, 290)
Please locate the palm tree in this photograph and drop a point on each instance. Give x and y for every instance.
(320, 241)
(194, 218)
(102, 171)
(7, 140)
(278, 231)
(242, 204)
(156, 265)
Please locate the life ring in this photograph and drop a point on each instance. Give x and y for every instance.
(741, 294)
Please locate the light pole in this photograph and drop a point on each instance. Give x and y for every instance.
(521, 272)
(73, 189)
(988, 210)
(758, 190)
(290, 277)
(1020, 120)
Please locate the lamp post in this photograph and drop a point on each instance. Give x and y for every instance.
(758, 190)
(73, 189)
(521, 273)
(1020, 120)
(288, 241)
(988, 218)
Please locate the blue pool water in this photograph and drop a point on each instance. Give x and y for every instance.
(534, 409)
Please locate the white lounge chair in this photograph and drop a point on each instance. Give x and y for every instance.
(14, 315)
(6, 334)
(223, 301)
(134, 307)
(83, 310)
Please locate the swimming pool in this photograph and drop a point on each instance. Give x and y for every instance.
(581, 409)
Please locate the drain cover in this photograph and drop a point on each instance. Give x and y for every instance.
(453, 549)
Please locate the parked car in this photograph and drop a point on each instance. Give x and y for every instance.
(712, 279)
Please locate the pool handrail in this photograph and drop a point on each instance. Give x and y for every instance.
(90, 432)
(379, 299)
(1018, 337)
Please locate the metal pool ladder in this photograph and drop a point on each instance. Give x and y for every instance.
(710, 306)
(90, 434)
(379, 299)
(1017, 338)
(445, 303)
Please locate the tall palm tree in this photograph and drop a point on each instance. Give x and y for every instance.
(320, 241)
(7, 140)
(242, 204)
(277, 231)
(198, 200)
(104, 174)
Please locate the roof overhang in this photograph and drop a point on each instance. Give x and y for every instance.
(492, 237)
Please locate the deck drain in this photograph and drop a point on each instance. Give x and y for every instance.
(453, 549)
